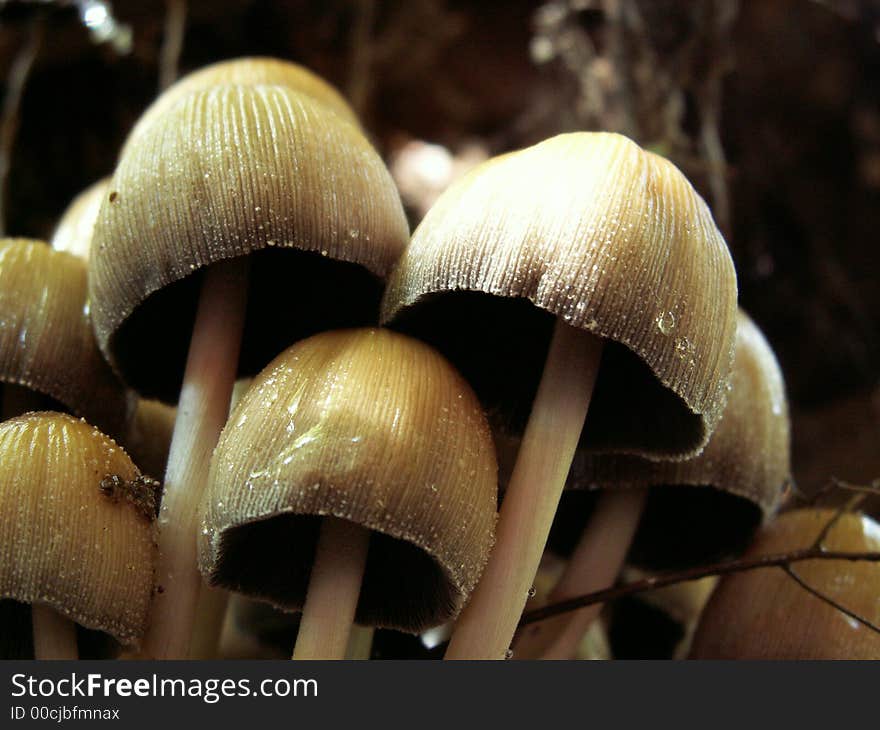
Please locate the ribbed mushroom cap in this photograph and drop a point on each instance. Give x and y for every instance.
(368, 426)
(764, 614)
(224, 173)
(248, 71)
(46, 338)
(74, 231)
(740, 478)
(74, 534)
(590, 228)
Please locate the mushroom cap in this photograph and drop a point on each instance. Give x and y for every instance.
(367, 426)
(227, 172)
(247, 71)
(74, 231)
(746, 466)
(591, 228)
(63, 541)
(764, 614)
(46, 338)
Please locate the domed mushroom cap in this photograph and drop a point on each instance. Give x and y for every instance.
(746, 466)
(590, 228)
(74, 231)
(764, 614)
(248, 71)
(240, 170)
(368, 426)
(46, 338)
(76, 527)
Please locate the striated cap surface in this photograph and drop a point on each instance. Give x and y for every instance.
(46, 338)
(76, 527)
(228, 172)
(591, 228)
(368, 426)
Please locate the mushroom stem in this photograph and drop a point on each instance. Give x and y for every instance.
(595, 564)
(54, 634)
(203, 408)
(487, 624)
(334, 589)
(360, 643)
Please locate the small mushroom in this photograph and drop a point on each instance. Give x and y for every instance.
(352, 439)
(230, 185)
(74, 230)
(47, 347)
(765, 614)
(581, 261)
(697, 511)
(76, 531)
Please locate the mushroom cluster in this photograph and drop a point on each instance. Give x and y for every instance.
(547, 386)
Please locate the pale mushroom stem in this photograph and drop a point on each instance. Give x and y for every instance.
(202, 411)
(213, 605)
(486, 627)
(595, 564)
(360, 643)
(334, 589)
(54, 634)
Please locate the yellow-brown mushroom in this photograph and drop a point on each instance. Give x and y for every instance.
(74, 230)
(48, 355)
(352, 438)
(604, 251)
(76, 531)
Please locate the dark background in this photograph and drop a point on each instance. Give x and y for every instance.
(770, 106)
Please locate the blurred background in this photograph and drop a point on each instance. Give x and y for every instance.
(769, 106)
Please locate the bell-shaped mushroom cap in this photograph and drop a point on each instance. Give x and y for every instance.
(74, 231)
(248, 71)
(76, 524)
(46, 338)
(764, 614)
(746, 466)
(368, 426)
(593, 229)
(224, 173)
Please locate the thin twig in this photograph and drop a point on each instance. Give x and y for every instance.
(827, 599)
(851, 504)
(15, 86)
(776, 560)
(172, 42)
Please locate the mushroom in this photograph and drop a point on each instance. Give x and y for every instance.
(48, 355)
(606, 252)
(76, 531)
(712, 503)
(227, 179)
(765, 614)
(352, 439)
(74, 230)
